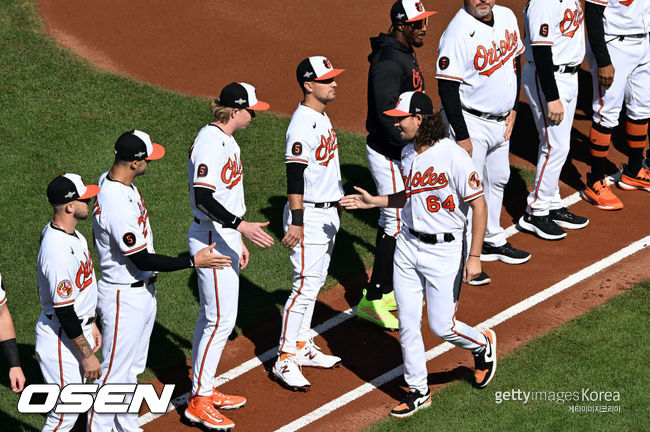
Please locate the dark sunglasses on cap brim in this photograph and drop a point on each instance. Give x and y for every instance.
(417, 25)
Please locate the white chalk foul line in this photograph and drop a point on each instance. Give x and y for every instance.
(183, 399)
(491, 322)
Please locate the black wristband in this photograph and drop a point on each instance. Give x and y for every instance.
(297, 217)
(10, 350)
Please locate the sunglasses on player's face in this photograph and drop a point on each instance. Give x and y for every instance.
(418, 25)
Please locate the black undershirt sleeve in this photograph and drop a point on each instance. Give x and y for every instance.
(10, 349)
(146, 261)
(296, 178)
(518, 71)
(543, 56)
(213, 208)
(69, 321)
(449, 92)
(596, 33)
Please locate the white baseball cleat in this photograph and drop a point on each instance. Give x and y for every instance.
(289, 374)
(311, 355)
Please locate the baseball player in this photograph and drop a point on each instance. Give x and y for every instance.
(126, 299)
(66, 334)
(393, 70)
(478, 72)
(441, 185)
(216, 175)
(619, 58)
(555, 48)
(311, 218)
(8, 344)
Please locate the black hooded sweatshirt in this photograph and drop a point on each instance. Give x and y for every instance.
(393, 70)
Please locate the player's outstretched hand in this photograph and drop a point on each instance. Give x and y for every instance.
(92, 369)
(555, 111)
(97, 337)
(292, 237)
(606, 75)
(472, 268)
(16, 379)
(362, 200)
(205, 258)
(253, 231)
(510, 124)
(466, 145)
(245, 256)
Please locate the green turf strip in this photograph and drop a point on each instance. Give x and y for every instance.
(604, 350)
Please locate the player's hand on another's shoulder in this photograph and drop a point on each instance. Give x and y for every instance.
(362, 200)
(206, 258)
(555, 111)
(253, 231)
(466, 145)
(606, 75)
(92, 368)
(292, 237)
(16, 379)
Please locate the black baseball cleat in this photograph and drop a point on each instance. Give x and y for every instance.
(543, 226)
(505, 253)
(564, 218)
(485, 361)
(481, 279)
(413, 402)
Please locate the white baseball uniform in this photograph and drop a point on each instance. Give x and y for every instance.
(3, 294)
(65, 277)
(560, 25)
(482, 59)
(311, 140)
(127, 296)
(627, 24)
(440, 182)
(215, 163)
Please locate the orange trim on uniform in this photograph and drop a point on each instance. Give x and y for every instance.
(449, 77)
(548, 141)
(476, 195)
(296, 160)
(417, 191)
(204, 184)
(602, 2)
(399, 223)
(637, 134)
(453, 320)
(216, 326)
(63, 303)
(302, 283)
(114, 348)
(523, 48)
(3, 301)
(135, 250)
(600, 99)
(61, 375)
(541, 43)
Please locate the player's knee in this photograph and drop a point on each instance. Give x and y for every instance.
(441, 328)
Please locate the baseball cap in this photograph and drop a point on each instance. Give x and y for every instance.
(408, 11)
(69, 187)
(136, 145)
(315, 68)
(411, 103)
(241, 95)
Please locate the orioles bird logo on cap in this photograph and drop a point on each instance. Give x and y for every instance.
(419, 7)
(327, 64)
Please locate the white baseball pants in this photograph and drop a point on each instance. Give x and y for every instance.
(631, 60)
(310, 259)
(218, 298)
(387, 174)
(554, 140)
(435, 271)
(127, 315)
(60, 364)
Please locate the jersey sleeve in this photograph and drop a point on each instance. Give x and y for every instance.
(125, 229)
(467, 179)
(452, 58)
(298, 145)
(60, 274)
(3, 294)
(542, 23)
(598, 2)
(205, 160)
(520, 36)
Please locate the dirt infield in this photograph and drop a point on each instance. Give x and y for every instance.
(197, 47)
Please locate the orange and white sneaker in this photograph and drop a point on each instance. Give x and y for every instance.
(224, 401)
(200, 410)
(601, 195)
(640, 181)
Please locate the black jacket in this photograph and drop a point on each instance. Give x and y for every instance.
(393, 70)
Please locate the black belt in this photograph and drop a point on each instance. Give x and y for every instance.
(141, 283)
(325, 204)
(431, 238)
(197, 220)
(477, 113)
(566, 69)
(82, 321)
(634, 36)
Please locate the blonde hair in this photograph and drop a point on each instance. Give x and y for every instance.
(220, 113)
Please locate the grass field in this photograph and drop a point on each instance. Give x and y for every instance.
(59, 114)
